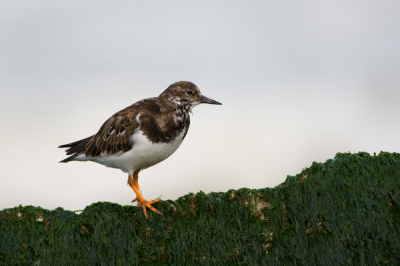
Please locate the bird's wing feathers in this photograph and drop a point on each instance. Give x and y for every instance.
(114, 135)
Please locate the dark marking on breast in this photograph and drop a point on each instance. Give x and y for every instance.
(163, 128)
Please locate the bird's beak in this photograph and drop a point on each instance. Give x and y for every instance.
(204, 99)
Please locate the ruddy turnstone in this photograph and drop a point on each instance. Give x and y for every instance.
(141, 135)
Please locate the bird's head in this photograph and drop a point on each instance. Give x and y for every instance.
(186, 93)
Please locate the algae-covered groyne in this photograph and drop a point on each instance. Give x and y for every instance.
(345, 211)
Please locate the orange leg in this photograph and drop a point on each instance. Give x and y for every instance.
(134, 184)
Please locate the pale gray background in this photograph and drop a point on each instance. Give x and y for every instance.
(299, 82)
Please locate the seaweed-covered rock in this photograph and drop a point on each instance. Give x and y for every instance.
(345, 211)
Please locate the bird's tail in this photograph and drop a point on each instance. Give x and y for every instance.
(76, 148)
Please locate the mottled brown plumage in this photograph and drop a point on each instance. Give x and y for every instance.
(158, 125)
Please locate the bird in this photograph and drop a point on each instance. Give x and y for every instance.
(141, 135)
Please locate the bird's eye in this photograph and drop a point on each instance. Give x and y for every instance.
(189, 92)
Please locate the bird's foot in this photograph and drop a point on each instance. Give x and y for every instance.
(151, 202)
(134, 184)
(147, 204)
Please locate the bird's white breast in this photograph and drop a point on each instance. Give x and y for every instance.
(143, 154)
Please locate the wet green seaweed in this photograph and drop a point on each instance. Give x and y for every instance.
(345, 211)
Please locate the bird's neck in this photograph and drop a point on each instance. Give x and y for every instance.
(173, 104)
(176, 109)
(181, 112)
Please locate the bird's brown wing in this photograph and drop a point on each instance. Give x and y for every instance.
(114, 135)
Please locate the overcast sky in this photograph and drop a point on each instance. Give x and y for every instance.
(299, 82)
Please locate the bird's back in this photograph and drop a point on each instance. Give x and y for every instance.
(143, 124)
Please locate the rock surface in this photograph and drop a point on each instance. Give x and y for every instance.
(345, 211)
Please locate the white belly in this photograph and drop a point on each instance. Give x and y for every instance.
(143, 154)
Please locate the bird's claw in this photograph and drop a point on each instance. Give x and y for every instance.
(147, 204)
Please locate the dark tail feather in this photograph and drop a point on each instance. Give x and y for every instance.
(75, 148)
(72, 144)
(69, 158)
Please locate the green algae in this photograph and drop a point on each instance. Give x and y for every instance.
(345, 211)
